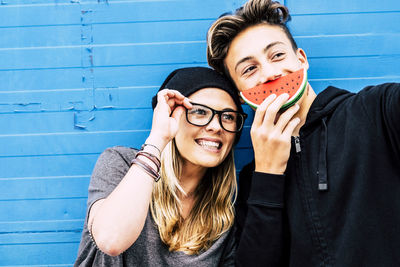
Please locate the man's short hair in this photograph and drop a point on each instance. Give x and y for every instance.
(228, 26)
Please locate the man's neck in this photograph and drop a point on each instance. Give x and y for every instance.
(308, 98)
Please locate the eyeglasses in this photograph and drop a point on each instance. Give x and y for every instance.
(201, 115)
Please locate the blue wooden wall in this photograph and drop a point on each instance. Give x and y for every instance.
(77, 76)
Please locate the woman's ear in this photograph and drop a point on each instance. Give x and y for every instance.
(302, 57)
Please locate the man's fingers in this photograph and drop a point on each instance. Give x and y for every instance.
(286, 116)
(273, 109)
(290, 127)
(260, 112)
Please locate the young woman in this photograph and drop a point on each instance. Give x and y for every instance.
(170, 203)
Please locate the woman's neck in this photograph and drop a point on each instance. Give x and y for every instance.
(189, 181)
(191, 177)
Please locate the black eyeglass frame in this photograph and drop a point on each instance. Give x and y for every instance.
(219, 113)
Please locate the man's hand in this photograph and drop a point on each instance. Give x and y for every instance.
(271, 134)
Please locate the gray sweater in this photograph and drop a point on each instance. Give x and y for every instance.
(148, 250)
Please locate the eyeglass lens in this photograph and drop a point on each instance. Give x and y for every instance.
(230, 121)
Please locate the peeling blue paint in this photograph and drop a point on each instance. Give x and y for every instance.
(27, 107)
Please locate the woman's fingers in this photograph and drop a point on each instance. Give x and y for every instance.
(177, 113)
(172, 98)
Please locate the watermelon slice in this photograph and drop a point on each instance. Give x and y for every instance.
(294, 84)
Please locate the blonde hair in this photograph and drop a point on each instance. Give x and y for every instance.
(212, 214)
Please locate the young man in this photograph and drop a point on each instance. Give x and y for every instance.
(324, 188)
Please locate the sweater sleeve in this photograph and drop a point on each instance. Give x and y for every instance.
(260, 220)
(111, 167)
(382, 105)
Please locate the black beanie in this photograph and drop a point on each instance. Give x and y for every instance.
(190, 80)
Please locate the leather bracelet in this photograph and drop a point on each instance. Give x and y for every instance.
(147, 168)
(151, 157)
(144, 145)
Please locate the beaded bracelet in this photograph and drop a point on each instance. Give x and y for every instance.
(147, 168)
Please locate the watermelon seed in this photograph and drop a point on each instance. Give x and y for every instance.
(270, 91)
(287, 84)
(264, 92)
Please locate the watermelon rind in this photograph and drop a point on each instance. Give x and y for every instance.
(298, 94)
(291, 101)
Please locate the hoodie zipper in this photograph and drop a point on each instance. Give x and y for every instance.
(311, 209)
(297, 144)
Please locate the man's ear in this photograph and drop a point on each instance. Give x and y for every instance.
(302, 57)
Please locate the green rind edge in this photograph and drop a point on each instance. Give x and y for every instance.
(294, 100)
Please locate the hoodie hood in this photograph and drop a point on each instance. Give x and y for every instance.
(324, 104)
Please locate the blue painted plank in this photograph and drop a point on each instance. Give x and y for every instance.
(154, 53)
(43, 79)
(40, 238)
(45, 209)
(127, 11)
(60, 122)
(40, 225)
(88, 12)
(46, 57)
(40, 14)
(68, 143)
(50, 254)
(354, 67)
(336, 24)
(46, 100)
(150, 75)
(351, 84)
(123, 54)
(350, 45)
(49, 36)
(49, 165)
(44, 188)
(138, 32)
(341, 6)
(67, 79)
(125, 97)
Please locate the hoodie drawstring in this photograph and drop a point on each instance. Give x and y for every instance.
(322, 168)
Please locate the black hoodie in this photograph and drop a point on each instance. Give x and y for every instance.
(338, 203)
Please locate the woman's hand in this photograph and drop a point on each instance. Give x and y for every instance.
(166, 116)
(271, 134)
